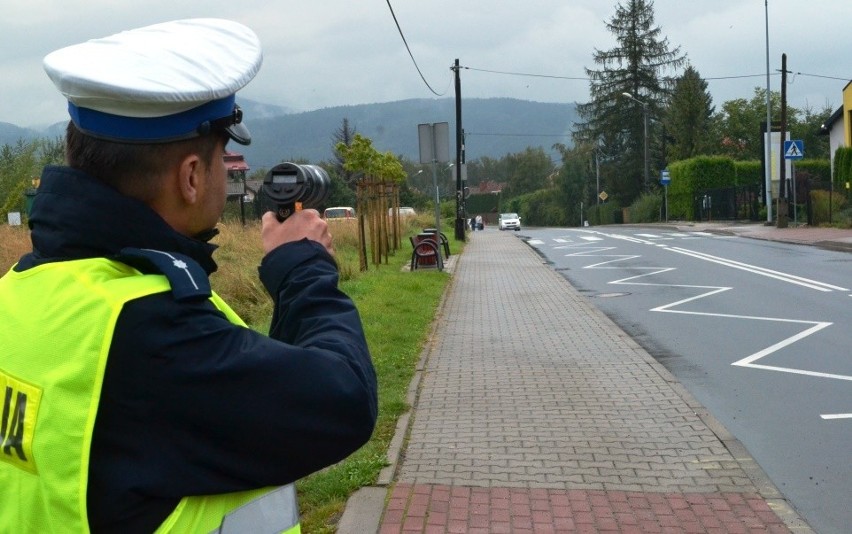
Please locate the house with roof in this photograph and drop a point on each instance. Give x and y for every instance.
(239, 188)
(838, 127)
(237, 168)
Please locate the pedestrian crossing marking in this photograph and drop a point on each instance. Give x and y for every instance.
(647, 238)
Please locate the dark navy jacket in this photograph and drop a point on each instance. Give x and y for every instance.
(192, 404)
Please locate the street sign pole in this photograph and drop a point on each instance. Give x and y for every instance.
(665, 178)
(794, 150)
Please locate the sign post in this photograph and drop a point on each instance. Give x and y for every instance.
(794, 150)
(434, 140)
(665, 179)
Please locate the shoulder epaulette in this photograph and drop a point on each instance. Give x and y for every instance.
(187, 278)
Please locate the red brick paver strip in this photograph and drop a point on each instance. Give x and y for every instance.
(441, 509)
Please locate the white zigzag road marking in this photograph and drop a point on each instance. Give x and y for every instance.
(749, 361)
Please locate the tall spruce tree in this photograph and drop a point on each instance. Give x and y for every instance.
(688, 120)
(637, 65)
(345, 134)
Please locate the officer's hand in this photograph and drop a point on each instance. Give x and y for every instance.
(300, 225)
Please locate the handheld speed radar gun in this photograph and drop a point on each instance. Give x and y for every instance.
(289, 187)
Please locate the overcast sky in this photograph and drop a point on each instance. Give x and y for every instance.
(329, 53)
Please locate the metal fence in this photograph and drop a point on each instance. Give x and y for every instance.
(728, 204)
(821, 203)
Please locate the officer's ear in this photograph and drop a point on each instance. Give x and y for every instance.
(189, 178)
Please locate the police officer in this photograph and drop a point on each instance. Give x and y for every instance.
(133, 398)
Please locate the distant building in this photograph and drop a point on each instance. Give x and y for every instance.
(237, 168)
(487, 187)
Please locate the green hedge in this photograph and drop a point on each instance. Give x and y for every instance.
(843, 166)
(647, 208)
(541, 208)
(749, 172)
(813, 169)
(606, 213)
(690, 176)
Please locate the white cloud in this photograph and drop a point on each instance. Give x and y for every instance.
(337, 52)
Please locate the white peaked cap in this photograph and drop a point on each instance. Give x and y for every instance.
(157, 83)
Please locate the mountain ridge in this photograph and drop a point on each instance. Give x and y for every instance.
(493, 128)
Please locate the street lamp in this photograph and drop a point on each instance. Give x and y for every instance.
(450, 166)
(645, 117)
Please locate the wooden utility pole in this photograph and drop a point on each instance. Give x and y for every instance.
(460, 234)
(782, 170)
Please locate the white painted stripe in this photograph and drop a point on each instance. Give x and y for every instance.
(649, 236)
(591, 238)
(784, 277)
(560, 240)
(535, 242)
(631, 239)
(837, 416)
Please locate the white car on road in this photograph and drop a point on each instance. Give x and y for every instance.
(509, 221)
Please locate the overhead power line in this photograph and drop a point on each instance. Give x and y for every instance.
(410, 54)
(527, 74)
(819, 76)
(586, 78)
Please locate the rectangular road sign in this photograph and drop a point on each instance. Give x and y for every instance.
(794, 149)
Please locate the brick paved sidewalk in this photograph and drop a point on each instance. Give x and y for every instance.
(460, 509)
(536, 413)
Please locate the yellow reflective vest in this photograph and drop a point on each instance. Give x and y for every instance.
(56, 327)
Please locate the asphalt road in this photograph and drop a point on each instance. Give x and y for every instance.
(759, 332)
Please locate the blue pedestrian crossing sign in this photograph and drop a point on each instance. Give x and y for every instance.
(794, 149)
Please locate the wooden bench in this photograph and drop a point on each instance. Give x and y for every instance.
(444, 242)
(425, 252)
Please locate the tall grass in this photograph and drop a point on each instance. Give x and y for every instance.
(14, 243)
(826, 203)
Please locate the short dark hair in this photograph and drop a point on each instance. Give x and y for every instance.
(132, 168)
